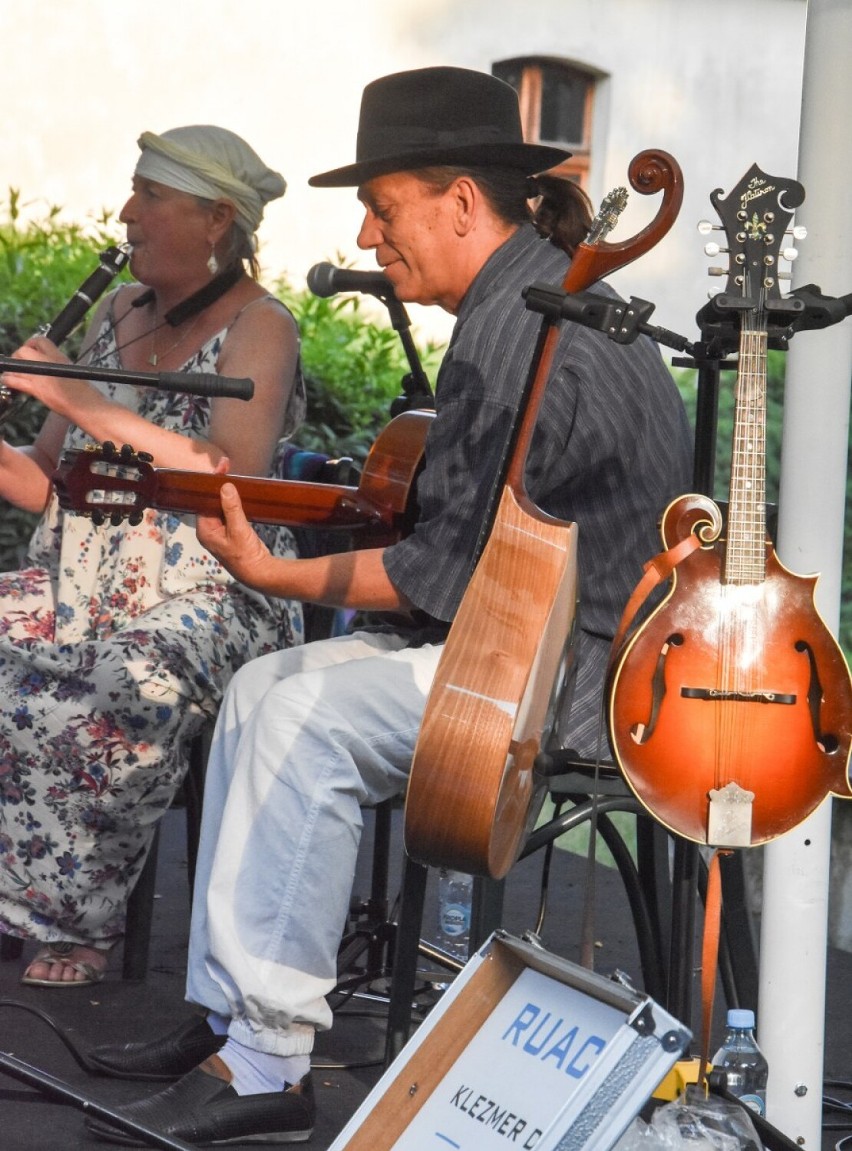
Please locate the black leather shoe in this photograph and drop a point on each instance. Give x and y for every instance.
(204, 1110)
(160, 1059)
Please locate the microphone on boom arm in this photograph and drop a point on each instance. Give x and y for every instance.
(326, 280)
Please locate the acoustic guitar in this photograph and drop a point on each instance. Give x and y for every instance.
(474, 791)
(730, 708)
(111, 484)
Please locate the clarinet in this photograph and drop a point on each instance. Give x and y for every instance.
(112, 260)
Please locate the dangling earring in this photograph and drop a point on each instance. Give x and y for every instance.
(212, 263)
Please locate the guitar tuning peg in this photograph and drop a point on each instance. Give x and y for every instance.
(714, 271)
(784, 275)
(705, 227)
(789, 254)
(798, 232)
(714, 249)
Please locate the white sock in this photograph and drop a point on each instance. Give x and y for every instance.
(218, 1024)
(256, 1072)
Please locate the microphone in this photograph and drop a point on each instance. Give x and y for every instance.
(325, 280)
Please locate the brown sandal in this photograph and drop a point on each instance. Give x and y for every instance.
(62, 954)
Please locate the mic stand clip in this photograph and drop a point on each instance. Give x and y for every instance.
(621, 322)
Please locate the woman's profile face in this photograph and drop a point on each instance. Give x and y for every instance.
(168, 231)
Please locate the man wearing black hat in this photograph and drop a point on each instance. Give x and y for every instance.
(307, 736)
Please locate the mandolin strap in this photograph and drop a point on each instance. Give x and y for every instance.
(710, 956)
(657, 570)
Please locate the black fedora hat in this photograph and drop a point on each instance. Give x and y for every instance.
(438, 116)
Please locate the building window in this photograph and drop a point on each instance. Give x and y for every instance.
(556, 107)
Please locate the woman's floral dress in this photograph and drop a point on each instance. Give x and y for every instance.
(116, 643)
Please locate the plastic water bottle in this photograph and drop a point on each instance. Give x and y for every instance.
(743, 1062)
(455, 896)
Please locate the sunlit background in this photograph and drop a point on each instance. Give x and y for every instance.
(715, 83)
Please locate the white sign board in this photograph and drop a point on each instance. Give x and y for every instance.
(511, 1080)
(524, 1052)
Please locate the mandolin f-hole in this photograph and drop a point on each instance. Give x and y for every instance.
(642, 732)
(826, 741)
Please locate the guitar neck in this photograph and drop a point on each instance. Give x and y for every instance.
(282, 502)
(745, 551)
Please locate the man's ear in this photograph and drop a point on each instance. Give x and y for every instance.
(467, 202)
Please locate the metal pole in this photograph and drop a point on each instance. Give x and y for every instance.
(791, 1007)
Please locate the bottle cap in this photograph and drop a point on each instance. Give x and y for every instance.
(740, 1017)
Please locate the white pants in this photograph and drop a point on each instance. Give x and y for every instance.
(305, 737)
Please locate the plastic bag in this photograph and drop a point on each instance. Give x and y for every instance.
(693, 1122)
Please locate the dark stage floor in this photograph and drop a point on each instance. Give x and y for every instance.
(347, 1059)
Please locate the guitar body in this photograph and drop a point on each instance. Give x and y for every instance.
(735, 693)
(390, 471)
(473, 792)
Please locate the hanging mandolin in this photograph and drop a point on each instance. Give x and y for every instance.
(730, 708)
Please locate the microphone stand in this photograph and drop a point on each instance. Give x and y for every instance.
(805, 308)
(64, 1093)
(417, 392)
(197, 383)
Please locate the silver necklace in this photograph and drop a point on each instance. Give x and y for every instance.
(156, 356)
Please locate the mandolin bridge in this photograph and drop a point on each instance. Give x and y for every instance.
(715, 694)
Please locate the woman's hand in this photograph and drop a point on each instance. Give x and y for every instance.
(37, 350)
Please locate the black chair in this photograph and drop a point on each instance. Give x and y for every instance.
(140, 904)
(570, 781)
(661, 886)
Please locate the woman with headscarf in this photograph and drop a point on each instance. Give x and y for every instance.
(116, 642)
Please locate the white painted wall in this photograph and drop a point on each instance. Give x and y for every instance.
(715, 82)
